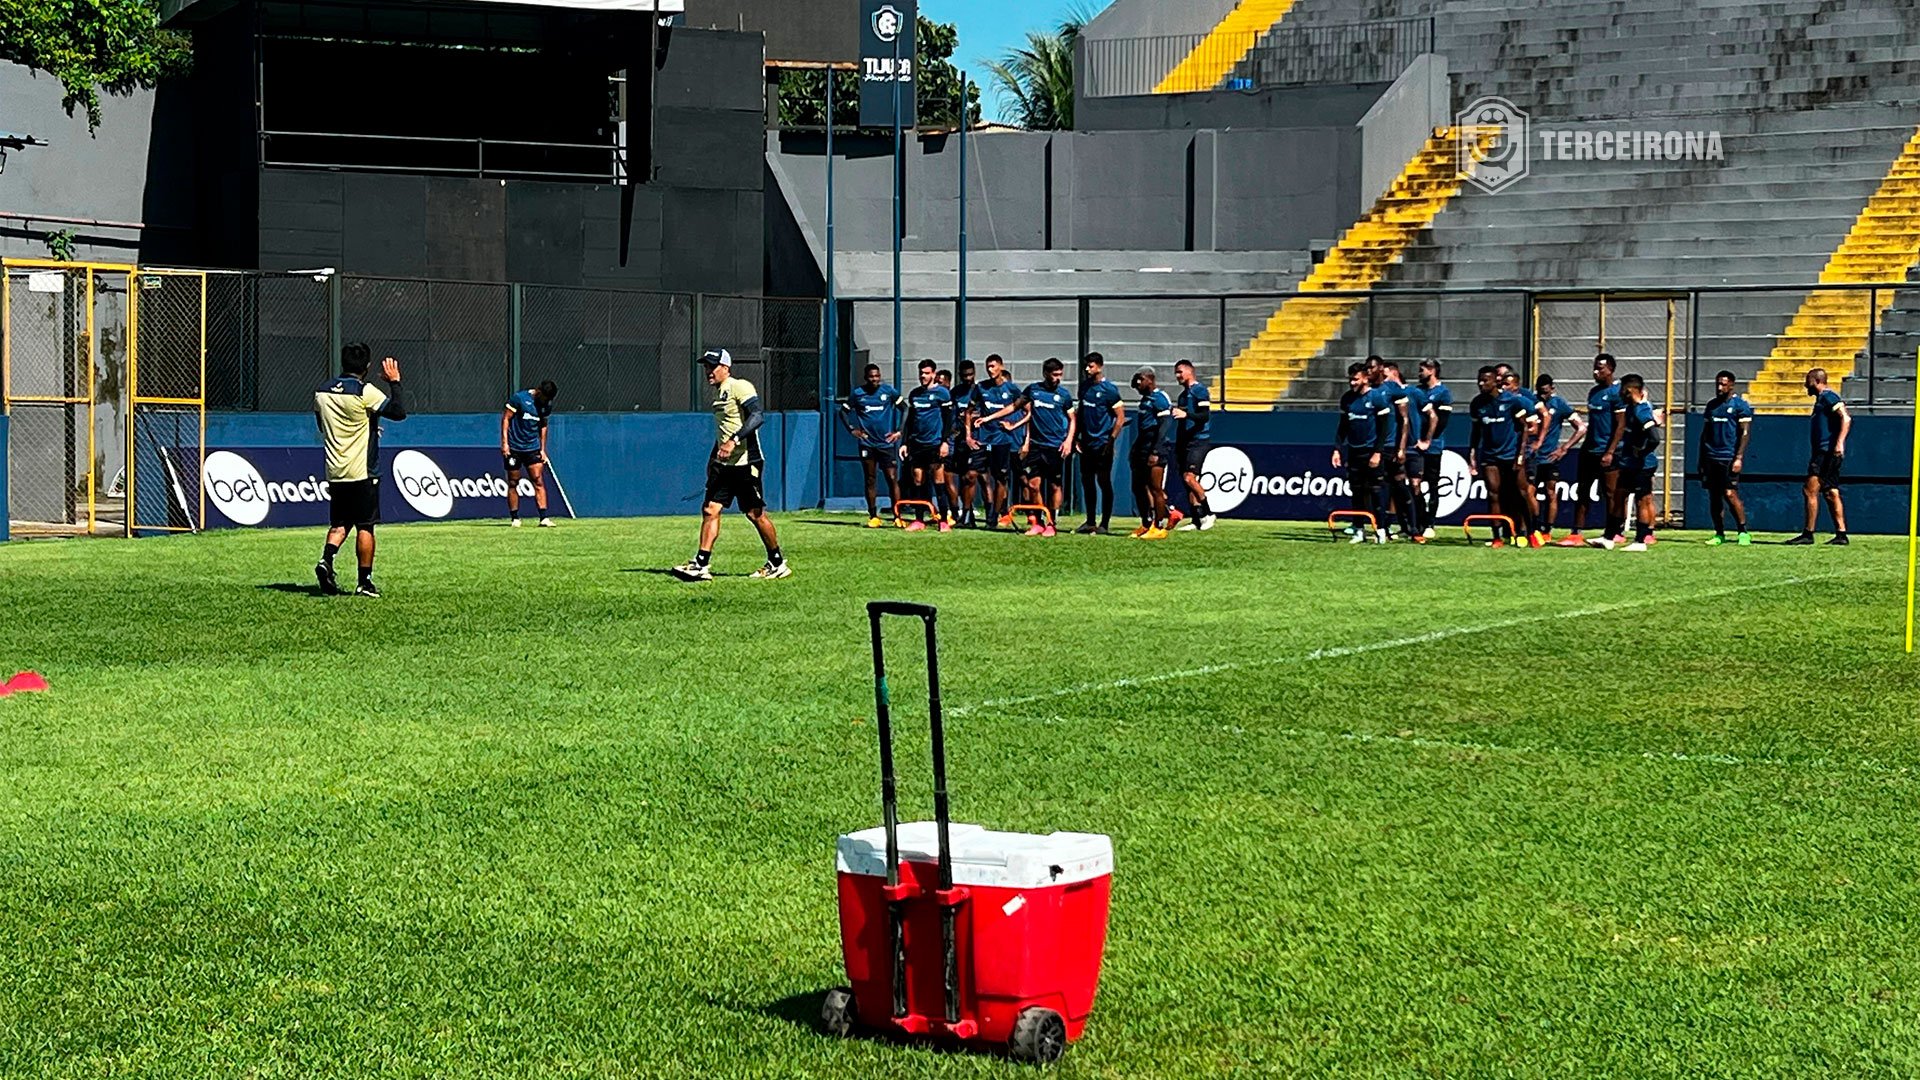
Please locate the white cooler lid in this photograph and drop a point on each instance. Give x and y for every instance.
(1003, 859)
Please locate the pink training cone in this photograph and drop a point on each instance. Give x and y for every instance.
(25, 682)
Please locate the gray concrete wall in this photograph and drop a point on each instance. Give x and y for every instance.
(120, 173)
(1239, 190)
(1401, 122)
(1299, 106)
(1157, 18)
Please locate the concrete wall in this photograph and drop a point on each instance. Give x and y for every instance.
(1157, 18)
(1238, 190)
(614, 465)
(1401, 122)
(1300, 106)
(135, 170)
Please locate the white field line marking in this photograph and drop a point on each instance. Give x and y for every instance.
(1337, 652)
(1864, 765)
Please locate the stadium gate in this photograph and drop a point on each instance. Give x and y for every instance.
(103, 378)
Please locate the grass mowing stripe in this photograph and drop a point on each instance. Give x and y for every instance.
(1342, 651)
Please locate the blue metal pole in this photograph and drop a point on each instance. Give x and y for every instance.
(899, 207)
(960, 317)
(831, 351)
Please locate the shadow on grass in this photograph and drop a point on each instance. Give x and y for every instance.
(860, 524)
(290, 587)
(802, 1010)
(662, 572)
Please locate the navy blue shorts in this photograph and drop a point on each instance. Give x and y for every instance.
(514, 460)
(1193, 455)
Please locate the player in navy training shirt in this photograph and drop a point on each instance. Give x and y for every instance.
(872, 417)
(969, 457)
(1359, 444)
(1047, 422)
(523, 445)
(1552, 445)
(999, 439)
(1391, 392)
(1639, 460)
(1728, 423)
(1499, 432)
(929, 431)
(1433, 440)
(1523, 475)
(1192, 439)
(1599, 473)
(1102, 416)
(1152, 450)
(1420, 421)
(1831, 425)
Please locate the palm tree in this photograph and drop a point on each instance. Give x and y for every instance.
(1038, 80)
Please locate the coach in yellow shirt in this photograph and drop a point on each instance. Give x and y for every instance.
(733, 471)
(349, 410)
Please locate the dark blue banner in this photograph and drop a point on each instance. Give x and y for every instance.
(1269, 482)
(888, 29)
(277, 486)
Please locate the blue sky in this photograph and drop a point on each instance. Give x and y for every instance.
(989, 28)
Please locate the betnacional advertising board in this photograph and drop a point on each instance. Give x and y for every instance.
(278, 486)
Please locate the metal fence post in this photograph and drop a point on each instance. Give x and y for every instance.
(1873, 339)
(1223, 350)
(336, 298)
(513, 337)
(699, 344)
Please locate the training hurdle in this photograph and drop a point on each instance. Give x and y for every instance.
(1334, 519)
(1494, 520)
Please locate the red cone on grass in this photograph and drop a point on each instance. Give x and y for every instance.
(24, 682)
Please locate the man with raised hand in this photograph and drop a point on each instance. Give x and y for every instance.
(349, 410)
(1599, 472)
(1047, 415)
(1433, 440)
(733, 470)
(1101, 415)
(1193, 437)
(1500, 421)
(1420, 421)
(1001, 438)
(872, 417)
(928, 434)
(523, 446)
(1152, 450)
(1831, 426)
(1723, 454)
(1639, 460)
(1549, 449)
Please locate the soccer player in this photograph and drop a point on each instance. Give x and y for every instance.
(1549, 448)
(1831, 425)
(1000, 438)
(1535, 426)
(1192, 439)
(969, 457)
(1599, 472)
(929, 435)
(523, 445)
(1395, 486)
(733, 470)
(1049, 421)
(1359, 445)
(1420, 418)
(349, 412)
(1152, 449)
(1723, 453)
(1638, 459)
(872, 416)
(1101, 416)
(1499, 432)
(1433, 440)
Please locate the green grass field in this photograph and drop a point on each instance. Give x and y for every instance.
(545, 812)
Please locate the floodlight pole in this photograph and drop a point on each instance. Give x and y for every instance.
(831, 348)
(899, 206)
(960, 316)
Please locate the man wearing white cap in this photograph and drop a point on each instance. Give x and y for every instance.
(733, 471)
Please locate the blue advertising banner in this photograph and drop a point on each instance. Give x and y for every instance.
(278, 486)
(1271, 482)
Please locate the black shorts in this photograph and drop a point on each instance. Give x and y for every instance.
(522, 459)
(1431, 462)
(1000, 462)
(726, 483)
(1826, 465)
(1193, 456)
(1096, 460)
(1044, 463)
(1362, 477)
(353, 503)
(1718, 475)
(1590, 473)
(888, 456)
(924, 457)
(1636, 481)
(1415, 466)
(1545, 473)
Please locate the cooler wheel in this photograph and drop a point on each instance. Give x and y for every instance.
(836, 1013)
(1039, 1037)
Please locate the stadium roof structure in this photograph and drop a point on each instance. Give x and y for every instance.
(187, 12)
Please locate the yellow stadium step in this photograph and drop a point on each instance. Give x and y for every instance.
(1832, 328)
(1301, 330)
(1224, 47)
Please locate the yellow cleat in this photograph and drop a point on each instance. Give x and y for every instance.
(875, 523)
(1140, 532)
(1155, 534)
(899, 523)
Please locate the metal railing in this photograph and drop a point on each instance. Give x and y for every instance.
(444, 156)
(1283, 56)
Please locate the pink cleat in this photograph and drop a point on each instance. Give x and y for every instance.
(946, 526)
(1048, 531)
(916, 526)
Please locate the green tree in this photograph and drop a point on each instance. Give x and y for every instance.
(803, 94)
(1035, 84)
(92, 45)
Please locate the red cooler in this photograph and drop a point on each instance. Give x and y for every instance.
(956, 932)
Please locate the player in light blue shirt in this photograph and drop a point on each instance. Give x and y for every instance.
(523, 446)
